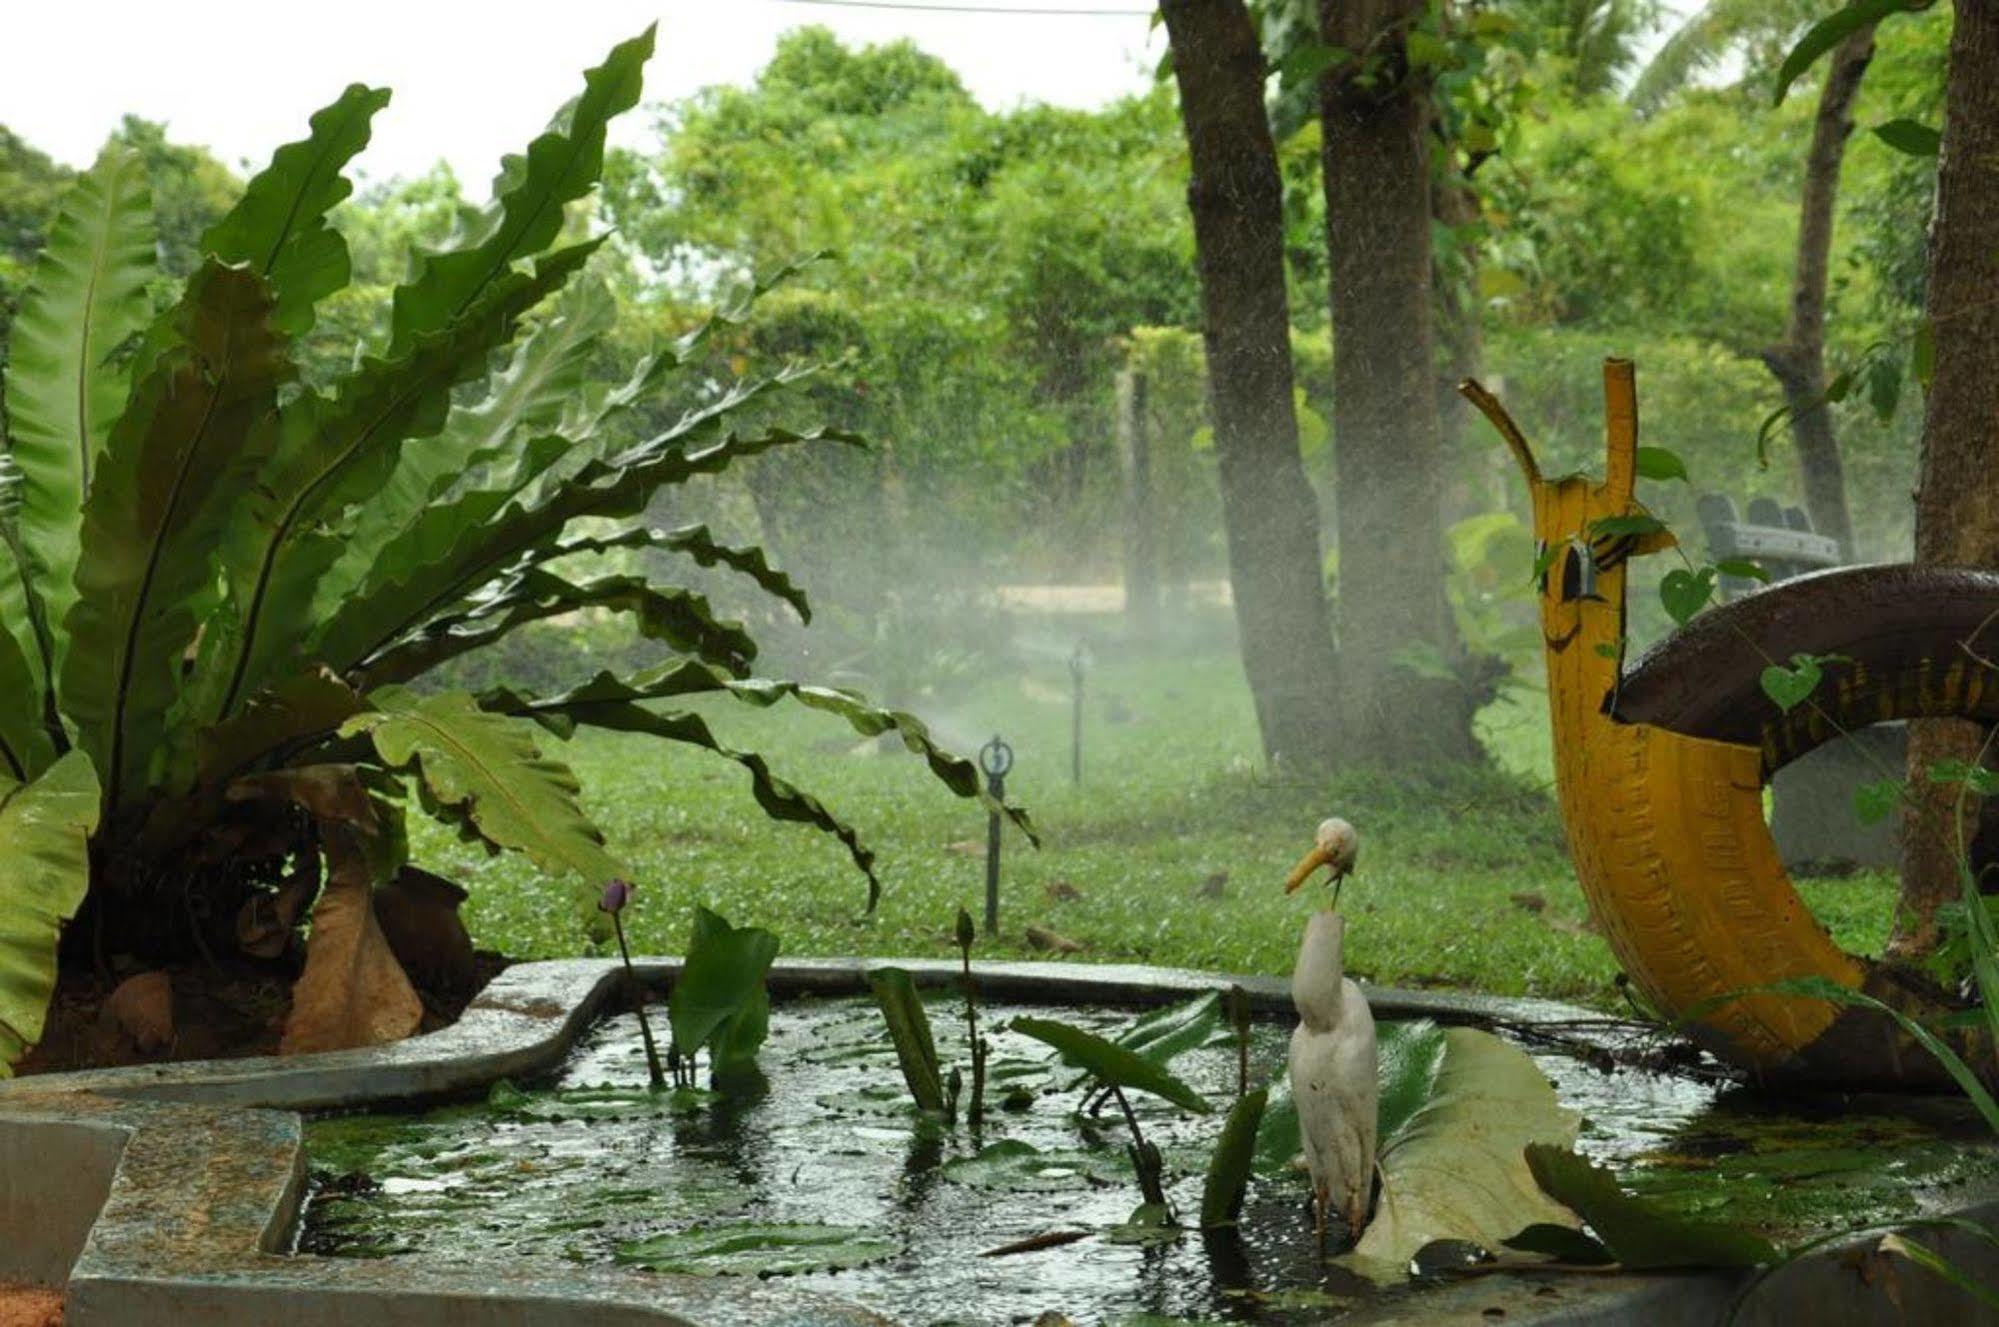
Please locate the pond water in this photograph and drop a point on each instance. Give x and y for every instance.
(823, 1172)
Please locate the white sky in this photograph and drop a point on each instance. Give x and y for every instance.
(476, 78)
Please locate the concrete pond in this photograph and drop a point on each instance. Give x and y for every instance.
(513, 1169)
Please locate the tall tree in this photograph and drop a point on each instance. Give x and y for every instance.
(1957, 495)
(1798, 362)
(1408, 691)
(1268, 508)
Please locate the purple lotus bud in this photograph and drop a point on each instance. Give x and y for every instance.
(616, 895)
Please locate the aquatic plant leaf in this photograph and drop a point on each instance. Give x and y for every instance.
(1409, 1058)
(758, 1250)
(1640, 1236)
(1453, 1168)
(1022, 1167)
(909, 1031)
(1166, 1033)
(1277, 1148)
(1229, 1167)
(45, 829)
(719, 1000)
(1562, 1244)
(1111, 1063)
(1409, 1054)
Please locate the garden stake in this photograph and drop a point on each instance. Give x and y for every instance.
(1076, 716)
(995, 758)
(616, 895)
(1236, 1001)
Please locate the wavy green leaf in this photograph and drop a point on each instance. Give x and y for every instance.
(606, 703)
(527, 213)
(174, 470)
(45, 829)
(529, 394)
(86, 298)
(278, 227)
(458, 546)
(681, 618)
(333, 452)
(25, 745)
(489, 764)
(691, 677)
(698, 543)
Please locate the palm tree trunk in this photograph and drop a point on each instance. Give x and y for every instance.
(1957, 494)
(1268, 508)
(1799, 362)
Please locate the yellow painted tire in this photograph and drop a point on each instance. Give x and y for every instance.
(1686, 881)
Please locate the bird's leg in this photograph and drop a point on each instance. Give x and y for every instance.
(1322, 1199)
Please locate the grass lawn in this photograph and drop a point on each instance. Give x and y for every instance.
(1462, 882)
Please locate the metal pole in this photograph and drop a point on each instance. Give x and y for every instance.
(995, 758)
(1076, 717)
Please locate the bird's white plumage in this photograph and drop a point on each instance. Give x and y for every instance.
(1333, 1076)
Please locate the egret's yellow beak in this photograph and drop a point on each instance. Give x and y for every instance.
(1307, 864)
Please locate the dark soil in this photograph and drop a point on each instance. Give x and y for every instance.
(221, 1011)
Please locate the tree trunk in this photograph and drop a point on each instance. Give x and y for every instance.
(1268, 508)
(1407, 688)
(1799, 362)
(1957, 494)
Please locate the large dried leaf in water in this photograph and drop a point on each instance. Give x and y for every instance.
(1455, 1167)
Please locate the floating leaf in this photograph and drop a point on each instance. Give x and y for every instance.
(1019, 1166)
(758, 1250)
(1562, 1243)
(1639, 1235)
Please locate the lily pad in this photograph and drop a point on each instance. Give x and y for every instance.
(1022, 1167)
(1454, 1168)
(758, 1250)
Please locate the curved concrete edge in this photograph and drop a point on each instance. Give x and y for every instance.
(189, 1210)
(530, 1016)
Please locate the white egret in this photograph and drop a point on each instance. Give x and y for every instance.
(1333, 1061)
